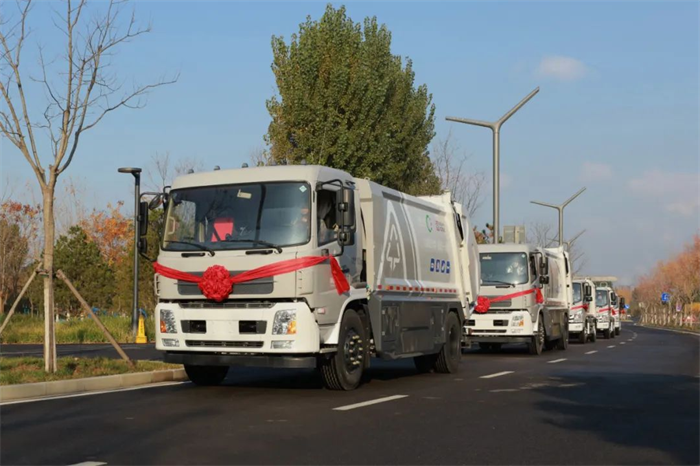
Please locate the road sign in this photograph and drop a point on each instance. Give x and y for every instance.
(664, 297)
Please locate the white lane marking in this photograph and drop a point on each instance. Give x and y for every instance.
(504, 390)
(75, 395)
(611, 346)
(370, 402)
(623, 343)
(591, 352)
(556, 361)
(88, 463)
(497, 374)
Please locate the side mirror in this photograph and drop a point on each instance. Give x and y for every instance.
(156, 201)
(622, 303)
(143, 218)
(143, 245)
(544, 279)
(345, 202)
(544, 266)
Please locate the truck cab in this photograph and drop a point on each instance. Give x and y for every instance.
(617, 306)
(512, 278)
(583, 315)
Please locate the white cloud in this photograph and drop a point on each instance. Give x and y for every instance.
(596, 171)
(561, 68)
(677, 191)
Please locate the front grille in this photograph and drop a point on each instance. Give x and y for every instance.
(225, 305)
(260, 286)
(500, 311)
(500, 323)
(488, 331)
(224, 344)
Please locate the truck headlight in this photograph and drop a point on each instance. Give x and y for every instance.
(517, 321)
(285, 323)
(577, 316)
(167, 321)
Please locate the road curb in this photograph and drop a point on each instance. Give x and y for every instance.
(89, 384)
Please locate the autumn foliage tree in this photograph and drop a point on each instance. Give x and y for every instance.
(18, 227)
(680, 277)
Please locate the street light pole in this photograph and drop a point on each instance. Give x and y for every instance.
(573, 240)
(136, 172)
(560, 209)
(495, 127)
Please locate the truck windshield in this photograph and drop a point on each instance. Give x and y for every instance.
(239, 216)
(508, 268)
(578, 297)
(601, 298)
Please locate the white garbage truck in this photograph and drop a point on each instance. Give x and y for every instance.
(308, 267)
(583, 314)
(607, 281)
(525, 296)
(603, 302)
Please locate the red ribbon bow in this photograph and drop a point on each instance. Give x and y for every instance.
(483, 304)
(217, 283)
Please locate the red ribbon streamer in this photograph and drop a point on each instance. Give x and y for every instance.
(217, 283)
(483, 303)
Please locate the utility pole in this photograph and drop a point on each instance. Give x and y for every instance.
(136, 172)
(560, 208)
(495, 127)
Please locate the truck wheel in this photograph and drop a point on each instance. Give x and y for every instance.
(449, 356)
(618, 330)
(343, 370)
(612, 332)
(563, 341)
(583, 336)
(206, 375)
(425, 363)
(606, 333)
(537, 342)
(594, 333)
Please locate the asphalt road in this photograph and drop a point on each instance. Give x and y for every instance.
(631, 400)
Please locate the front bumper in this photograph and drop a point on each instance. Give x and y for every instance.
(244, 360)
(602, 325)
(236, 330)
(576, 327)
(513, 327)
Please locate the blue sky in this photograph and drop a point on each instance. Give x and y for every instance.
(617, 111)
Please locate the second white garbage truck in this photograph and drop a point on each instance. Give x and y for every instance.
(583, 315)
(525, 297)
(307, 266)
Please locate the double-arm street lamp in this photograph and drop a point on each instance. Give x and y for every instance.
(495, 126)
(560, 209)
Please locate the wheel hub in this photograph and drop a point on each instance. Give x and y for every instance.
(353, 350)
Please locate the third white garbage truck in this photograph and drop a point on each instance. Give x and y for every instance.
(306, 266)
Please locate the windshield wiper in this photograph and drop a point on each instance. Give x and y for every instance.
(198, 246)
(254, 241)
(497, 282)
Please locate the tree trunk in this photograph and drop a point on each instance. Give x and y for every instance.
(49, 234)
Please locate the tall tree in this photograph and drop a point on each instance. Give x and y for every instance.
(81, 260)
(347, 102)
(80, 88)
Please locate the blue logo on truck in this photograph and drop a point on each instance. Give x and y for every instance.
(440, 266)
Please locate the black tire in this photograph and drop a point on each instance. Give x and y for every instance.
(563, 341)
(606, 334)
(618, 330)
(449, 356)
(425, 363)
(206, 375)
(594, 333)
(343, 370)
(536, 344)
(583, 335)
(612, 331)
